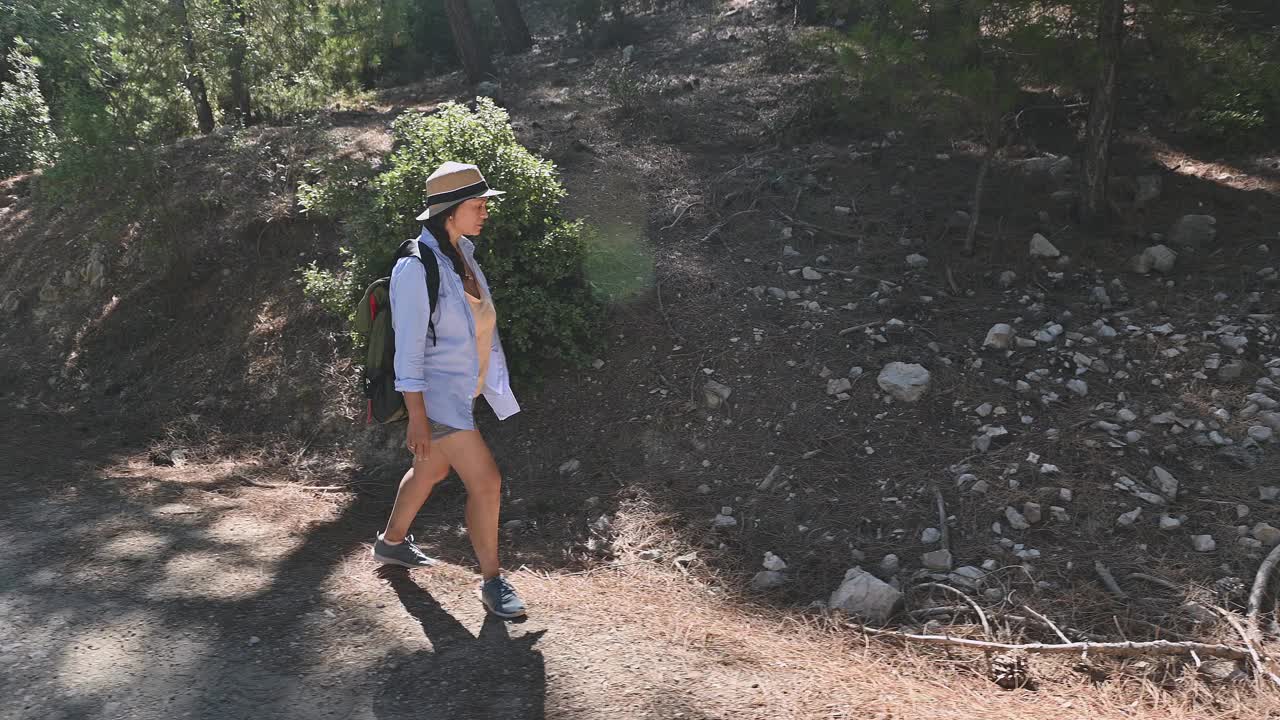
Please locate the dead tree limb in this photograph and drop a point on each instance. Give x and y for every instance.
(1260, 582)
(1046, 621)
(982, 616)
(1109, 580)
(942, 519)
(1122, 649)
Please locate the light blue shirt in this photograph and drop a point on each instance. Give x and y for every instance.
(447, 372)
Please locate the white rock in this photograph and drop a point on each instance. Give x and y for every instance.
(865, 595)
(1164, 481)
(1169, 523)
(998, 336)
(889, 564)
(1016, 519)
(930, 536)
(835, 386)
(715, 394)
(1078, 386)
(767, 580)
(983, 410)
(1203, 543)
(1042, 248)
(1266, 534)
(938, 560)
(1128, 519)
(773, 562)
(907, 382)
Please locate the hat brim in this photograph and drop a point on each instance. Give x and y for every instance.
(441, 207)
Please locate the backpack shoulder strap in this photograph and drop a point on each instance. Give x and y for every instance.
(415, 248)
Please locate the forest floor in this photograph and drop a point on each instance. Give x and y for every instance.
(192, 493)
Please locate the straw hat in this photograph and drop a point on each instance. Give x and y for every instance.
(452, 183)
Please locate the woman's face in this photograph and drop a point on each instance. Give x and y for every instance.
(470, 217)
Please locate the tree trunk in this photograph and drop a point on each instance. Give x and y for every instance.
(193, 79)
(806, 12)
(237, 16)
(1102, 114)
(471, 52)
(514, 30)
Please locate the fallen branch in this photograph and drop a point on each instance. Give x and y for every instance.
(1259, 665)
(1048, 622)
(1009, 617)
(1123, 649)
(1109, 580)
(982, 616)
(1260, 582)
(856, 328)
(942, 519)
(1156, 581)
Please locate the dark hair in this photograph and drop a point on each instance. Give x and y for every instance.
(435, 224)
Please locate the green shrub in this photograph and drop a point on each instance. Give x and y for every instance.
(532, 254)
(26, 137)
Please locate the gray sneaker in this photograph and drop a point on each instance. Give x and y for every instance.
(501, 599)
(405, 554)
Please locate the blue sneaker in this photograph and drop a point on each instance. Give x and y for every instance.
(404, 554)
(501, 599)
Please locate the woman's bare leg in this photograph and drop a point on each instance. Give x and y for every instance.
(467, 452)
(415, 488)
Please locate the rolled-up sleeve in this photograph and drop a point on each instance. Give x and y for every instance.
(410, 311)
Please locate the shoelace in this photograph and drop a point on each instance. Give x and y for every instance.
(505, 591)
(413, 548)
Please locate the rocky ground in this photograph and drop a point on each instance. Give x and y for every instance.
(808, 399)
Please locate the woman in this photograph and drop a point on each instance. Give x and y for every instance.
(441, 368)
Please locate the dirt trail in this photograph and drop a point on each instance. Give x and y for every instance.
(136, 591)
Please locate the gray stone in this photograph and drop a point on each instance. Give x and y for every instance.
(835, 386)
(907, 382)
(1098, 296)
(715, 394)
(916, 261)
(1164, 481)
(1169, 523)
(1017, 520)
(1031, 511)
(939, 560)
(999, 336)
(1266, 534)
(1193, 231)
(1260, 433)
(810, 274)
(724, 521)
(1203, 543)
(1160, 258)
(1041, 247)
(773, 562)
(1078, 386)
(767, 580)
(930, 536)
(968, 576)
(865, 595)
(10, 303)
(889, 564)
(1007, 279)
(1126, 520)
(489, 89)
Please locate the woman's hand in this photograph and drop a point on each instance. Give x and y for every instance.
(418, 438)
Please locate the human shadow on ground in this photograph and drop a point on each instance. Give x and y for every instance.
(493, 675)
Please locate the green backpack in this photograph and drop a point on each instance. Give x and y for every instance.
(373, 320)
